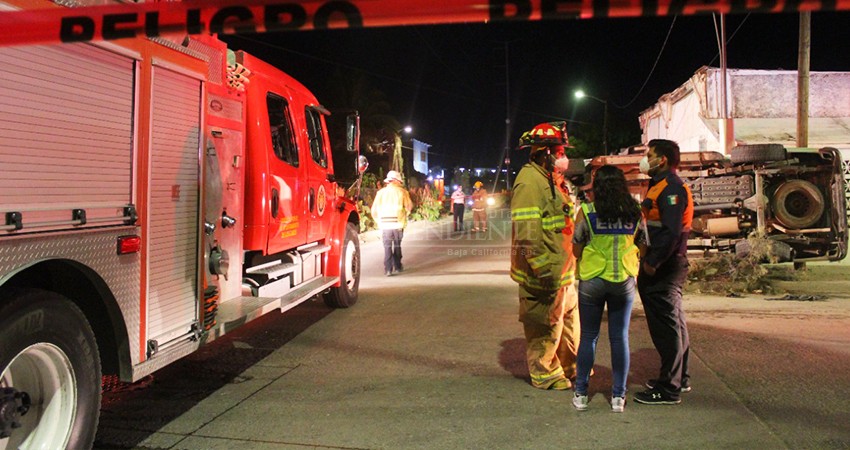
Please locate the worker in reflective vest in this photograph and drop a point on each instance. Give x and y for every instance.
(548, 301)
(669, 211)
(605, 241)
(390, 209)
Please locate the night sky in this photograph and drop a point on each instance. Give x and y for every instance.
(448, 81)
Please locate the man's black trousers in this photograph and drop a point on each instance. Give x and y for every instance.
(661, 295)
(392, 250)
(457, 212)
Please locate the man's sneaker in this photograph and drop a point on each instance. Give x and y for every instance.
(388, 273)
(656, 397)
(686, 385)
(580, 401)
(618, 404)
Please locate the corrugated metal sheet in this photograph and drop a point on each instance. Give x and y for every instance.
(66, 124)
(174, 205)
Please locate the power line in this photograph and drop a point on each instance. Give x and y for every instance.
(716, 32)
(651, 71)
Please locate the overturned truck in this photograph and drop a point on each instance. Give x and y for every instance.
(793, 197)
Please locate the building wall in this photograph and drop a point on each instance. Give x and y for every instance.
(762, 104)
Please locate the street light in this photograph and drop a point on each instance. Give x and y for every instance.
(581, 94)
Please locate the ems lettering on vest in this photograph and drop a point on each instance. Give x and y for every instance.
(607, 227)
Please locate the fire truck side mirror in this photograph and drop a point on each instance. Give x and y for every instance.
(362, 164)
(353, 133)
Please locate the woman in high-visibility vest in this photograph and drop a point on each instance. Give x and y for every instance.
(606, 245)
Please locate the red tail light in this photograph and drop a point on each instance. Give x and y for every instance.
(129, 244)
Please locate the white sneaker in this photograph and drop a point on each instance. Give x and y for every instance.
(580, 401)
(618, 404)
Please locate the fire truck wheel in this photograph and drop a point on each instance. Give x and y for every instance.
(756, 153)
(798, 204)
(346, 294)
(50, 382)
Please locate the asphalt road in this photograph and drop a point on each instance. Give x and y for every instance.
(433, 359)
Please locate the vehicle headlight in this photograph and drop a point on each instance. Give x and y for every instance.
(491, 201)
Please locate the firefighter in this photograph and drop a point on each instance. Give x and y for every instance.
(542, 262)
(669, 211)
(479, 207)
(390, 209)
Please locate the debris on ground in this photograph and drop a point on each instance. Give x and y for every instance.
(800, 297)
(734, 275)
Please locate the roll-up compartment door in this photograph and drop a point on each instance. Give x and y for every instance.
(66, 134)
(173, 225)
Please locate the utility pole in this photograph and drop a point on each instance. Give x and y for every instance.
(506, 160)
(507, 120)
(803, 57)
(605, 128)
(727, 127)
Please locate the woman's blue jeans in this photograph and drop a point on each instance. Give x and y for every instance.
(593, 294)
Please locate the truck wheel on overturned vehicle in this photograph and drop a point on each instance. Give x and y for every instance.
(757, 153)
(797, 204)
(346, 294)
(50, 380)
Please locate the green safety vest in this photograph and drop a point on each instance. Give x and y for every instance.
(611, 253)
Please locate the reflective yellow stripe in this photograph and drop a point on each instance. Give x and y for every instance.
(529, 213)
(540, 379)
(539, 261)
(533, 282)
(554, 223)
(518, 276)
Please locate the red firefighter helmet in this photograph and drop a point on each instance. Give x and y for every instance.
(547, 134)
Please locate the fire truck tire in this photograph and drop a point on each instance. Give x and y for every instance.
(346, 294)
(49, 365)
(798, 204)
(757, 153)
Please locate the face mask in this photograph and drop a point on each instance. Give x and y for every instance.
(561, 164)
(644, 166)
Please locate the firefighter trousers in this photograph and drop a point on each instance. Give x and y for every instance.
(661, 295)
(479, 219)
(551, 325)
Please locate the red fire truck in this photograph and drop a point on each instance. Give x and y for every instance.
(155, 194)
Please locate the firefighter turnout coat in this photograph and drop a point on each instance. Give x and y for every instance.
(538, 217)
(391, 207)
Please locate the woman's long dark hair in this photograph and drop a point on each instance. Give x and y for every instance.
(611, 196)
